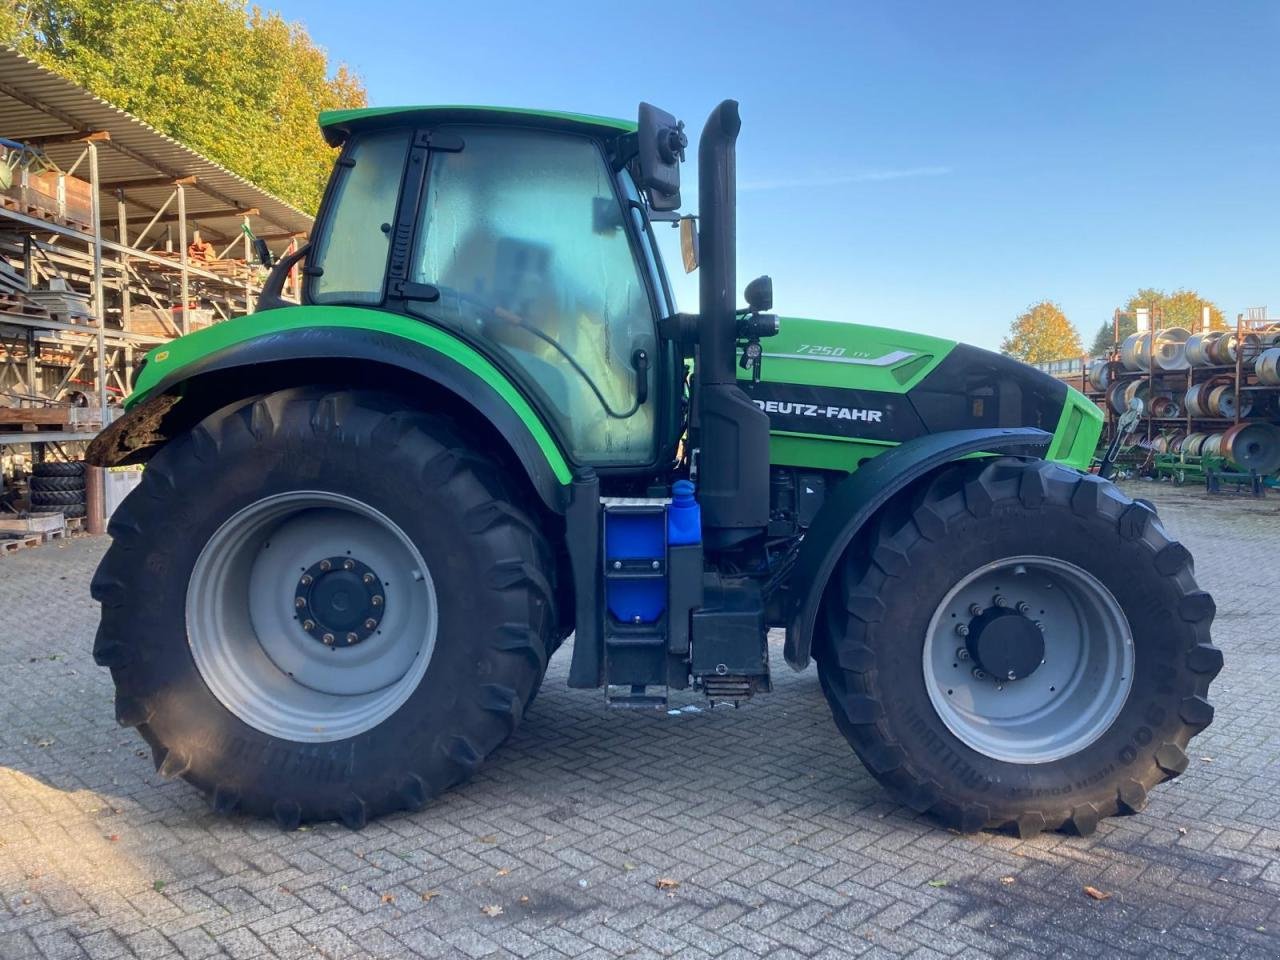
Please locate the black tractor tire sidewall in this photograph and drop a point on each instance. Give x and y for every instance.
(59, 468)
(56, 498)
(76, 483)
(482, 559)
(988, 517)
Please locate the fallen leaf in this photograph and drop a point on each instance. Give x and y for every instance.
(666, 883)
(504, 872)
(1206, 759)
(1182, 831)
(524, 900)
(1006, 880)
(628, 866)
(429, 895)
(388, 898)
(937, 883)
(1097, 894)
(488, 838)
(113, 837)
(157, 885)
(492, 910)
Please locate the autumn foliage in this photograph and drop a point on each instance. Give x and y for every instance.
(240, 85)
(1041, 333)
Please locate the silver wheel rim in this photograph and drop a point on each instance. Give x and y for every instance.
(249, 599)
(1066, 702)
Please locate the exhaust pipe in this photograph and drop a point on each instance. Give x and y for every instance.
(730, 432)
(718, 244)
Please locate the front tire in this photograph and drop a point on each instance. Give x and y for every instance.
(1087, 714)
(319, 605)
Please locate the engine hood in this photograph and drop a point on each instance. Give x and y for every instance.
(872, 387)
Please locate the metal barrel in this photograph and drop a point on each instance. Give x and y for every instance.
(1135, 351)
(1170, 349)
(1099, 373)
(1253, 446)
(1192, 443)
(1223, 349)
(1196, 349)
(1115, 397)
(1194, 400)
(1267, 366)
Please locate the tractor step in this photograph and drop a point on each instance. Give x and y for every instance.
(635, 698)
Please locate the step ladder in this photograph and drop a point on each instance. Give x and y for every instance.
(635, 609)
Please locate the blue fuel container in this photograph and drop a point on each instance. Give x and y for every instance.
(684, 516)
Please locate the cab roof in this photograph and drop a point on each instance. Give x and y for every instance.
(337, 125)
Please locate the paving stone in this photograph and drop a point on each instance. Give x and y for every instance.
(782, 844)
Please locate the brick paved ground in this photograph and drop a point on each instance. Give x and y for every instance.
(782, 845)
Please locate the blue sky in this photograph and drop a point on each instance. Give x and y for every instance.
(909, 164)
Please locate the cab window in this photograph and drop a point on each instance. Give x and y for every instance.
(522, 233)
(352, 246)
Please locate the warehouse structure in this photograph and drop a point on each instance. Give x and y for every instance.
(113, 238)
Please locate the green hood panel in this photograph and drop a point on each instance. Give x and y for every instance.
(827, 354)
(838, 394)
(166, 362)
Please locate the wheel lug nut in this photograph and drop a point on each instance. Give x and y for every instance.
(962, 629)
(962, 653)
(975, 610)
(306, 580)
(1040, 626)
(1011, 675)
(1023, 607)
(368, 578)
(1000, 601)
(326, 565)
(308, 625)
(979, 673)
(376, 601)
(370, 623)
(348, 564)
(328, 639)
(352, 638)
(299, 602)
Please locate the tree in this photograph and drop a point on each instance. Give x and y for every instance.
(238, 84)
(1041, 333)
(1178, 309)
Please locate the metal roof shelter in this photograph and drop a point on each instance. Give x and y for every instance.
(40, 107)
(132, 253)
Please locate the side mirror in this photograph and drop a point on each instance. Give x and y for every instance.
(661, 143)
(262, 252)
(689, 243)
(759, 294)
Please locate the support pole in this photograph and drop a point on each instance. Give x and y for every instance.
(99, 300)
(126, 294)
(248, 265)
(182, 253)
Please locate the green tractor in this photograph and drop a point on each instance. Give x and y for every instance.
(369, 520)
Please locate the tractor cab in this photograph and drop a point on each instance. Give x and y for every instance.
(527, 235)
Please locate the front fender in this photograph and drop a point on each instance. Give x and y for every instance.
(249, 345)
(857, 499)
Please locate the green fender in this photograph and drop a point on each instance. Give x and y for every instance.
(347, 333)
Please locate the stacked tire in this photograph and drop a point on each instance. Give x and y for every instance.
(57, 486)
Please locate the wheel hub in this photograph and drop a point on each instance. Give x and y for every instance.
(339, 601)
(1005, 644)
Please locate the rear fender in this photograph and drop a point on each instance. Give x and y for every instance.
(294, 357)
(861, 495)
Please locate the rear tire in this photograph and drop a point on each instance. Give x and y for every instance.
(1025, 770)
(398, 485)
(76, 483)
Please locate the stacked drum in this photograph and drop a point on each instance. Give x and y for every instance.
(1227, 377)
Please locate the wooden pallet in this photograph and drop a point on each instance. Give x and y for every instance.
(75, 525)
(49, 535)
(32, 419)
(40, 213)
(13, 544)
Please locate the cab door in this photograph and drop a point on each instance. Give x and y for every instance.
(523, 234)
